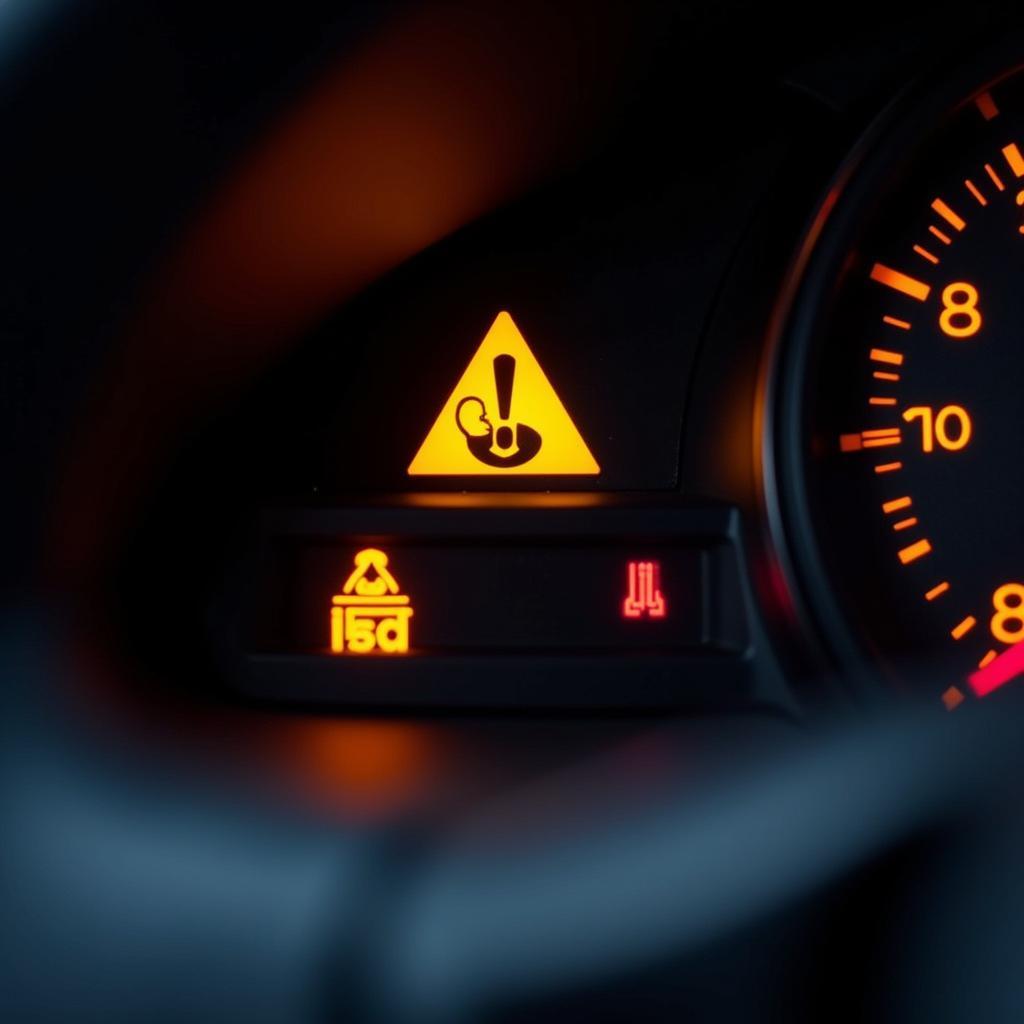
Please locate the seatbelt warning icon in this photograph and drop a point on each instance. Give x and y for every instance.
(503, 418)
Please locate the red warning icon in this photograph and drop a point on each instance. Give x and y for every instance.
(644, 597)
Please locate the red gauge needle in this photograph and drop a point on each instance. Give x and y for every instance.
(999, 671)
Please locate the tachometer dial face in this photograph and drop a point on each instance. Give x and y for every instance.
(900, 402)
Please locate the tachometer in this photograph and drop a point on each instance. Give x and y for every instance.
(897, 395)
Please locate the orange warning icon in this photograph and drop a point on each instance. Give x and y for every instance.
(370, 615)
(503, 418)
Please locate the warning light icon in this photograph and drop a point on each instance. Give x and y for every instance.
(370, 615)
(503, 418)
(644, 597)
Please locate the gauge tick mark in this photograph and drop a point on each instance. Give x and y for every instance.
(949, 215)
(986, 106)
(900, 282)
(961, 629)
(1014, 159)
(914, 551)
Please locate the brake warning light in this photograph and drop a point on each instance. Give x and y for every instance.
(503, 418)
(370, 615)
(644, 597)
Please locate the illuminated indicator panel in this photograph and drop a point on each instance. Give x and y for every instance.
(539, 601)
(480, 599)
(370, 615)
(504, 416)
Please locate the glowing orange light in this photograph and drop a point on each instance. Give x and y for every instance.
(881, 438)
(370, 615)
(645, 597)
(935, 427)
(949, 215)
(996, 180)
(914, 551)
(901, 282)
(882, 355)
(937, 591)
(1014, 159)
(503, 418)
(869, 439)
(367, 767)
(973, 189)
(1007, 623)
(896, 504)
(960, 317)
(952, 698)
(964, 627)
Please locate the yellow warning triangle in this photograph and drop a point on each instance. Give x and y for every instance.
(503, 418)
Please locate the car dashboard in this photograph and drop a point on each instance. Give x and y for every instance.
(522, 428)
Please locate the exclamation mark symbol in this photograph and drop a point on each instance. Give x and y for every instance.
(504, 378)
